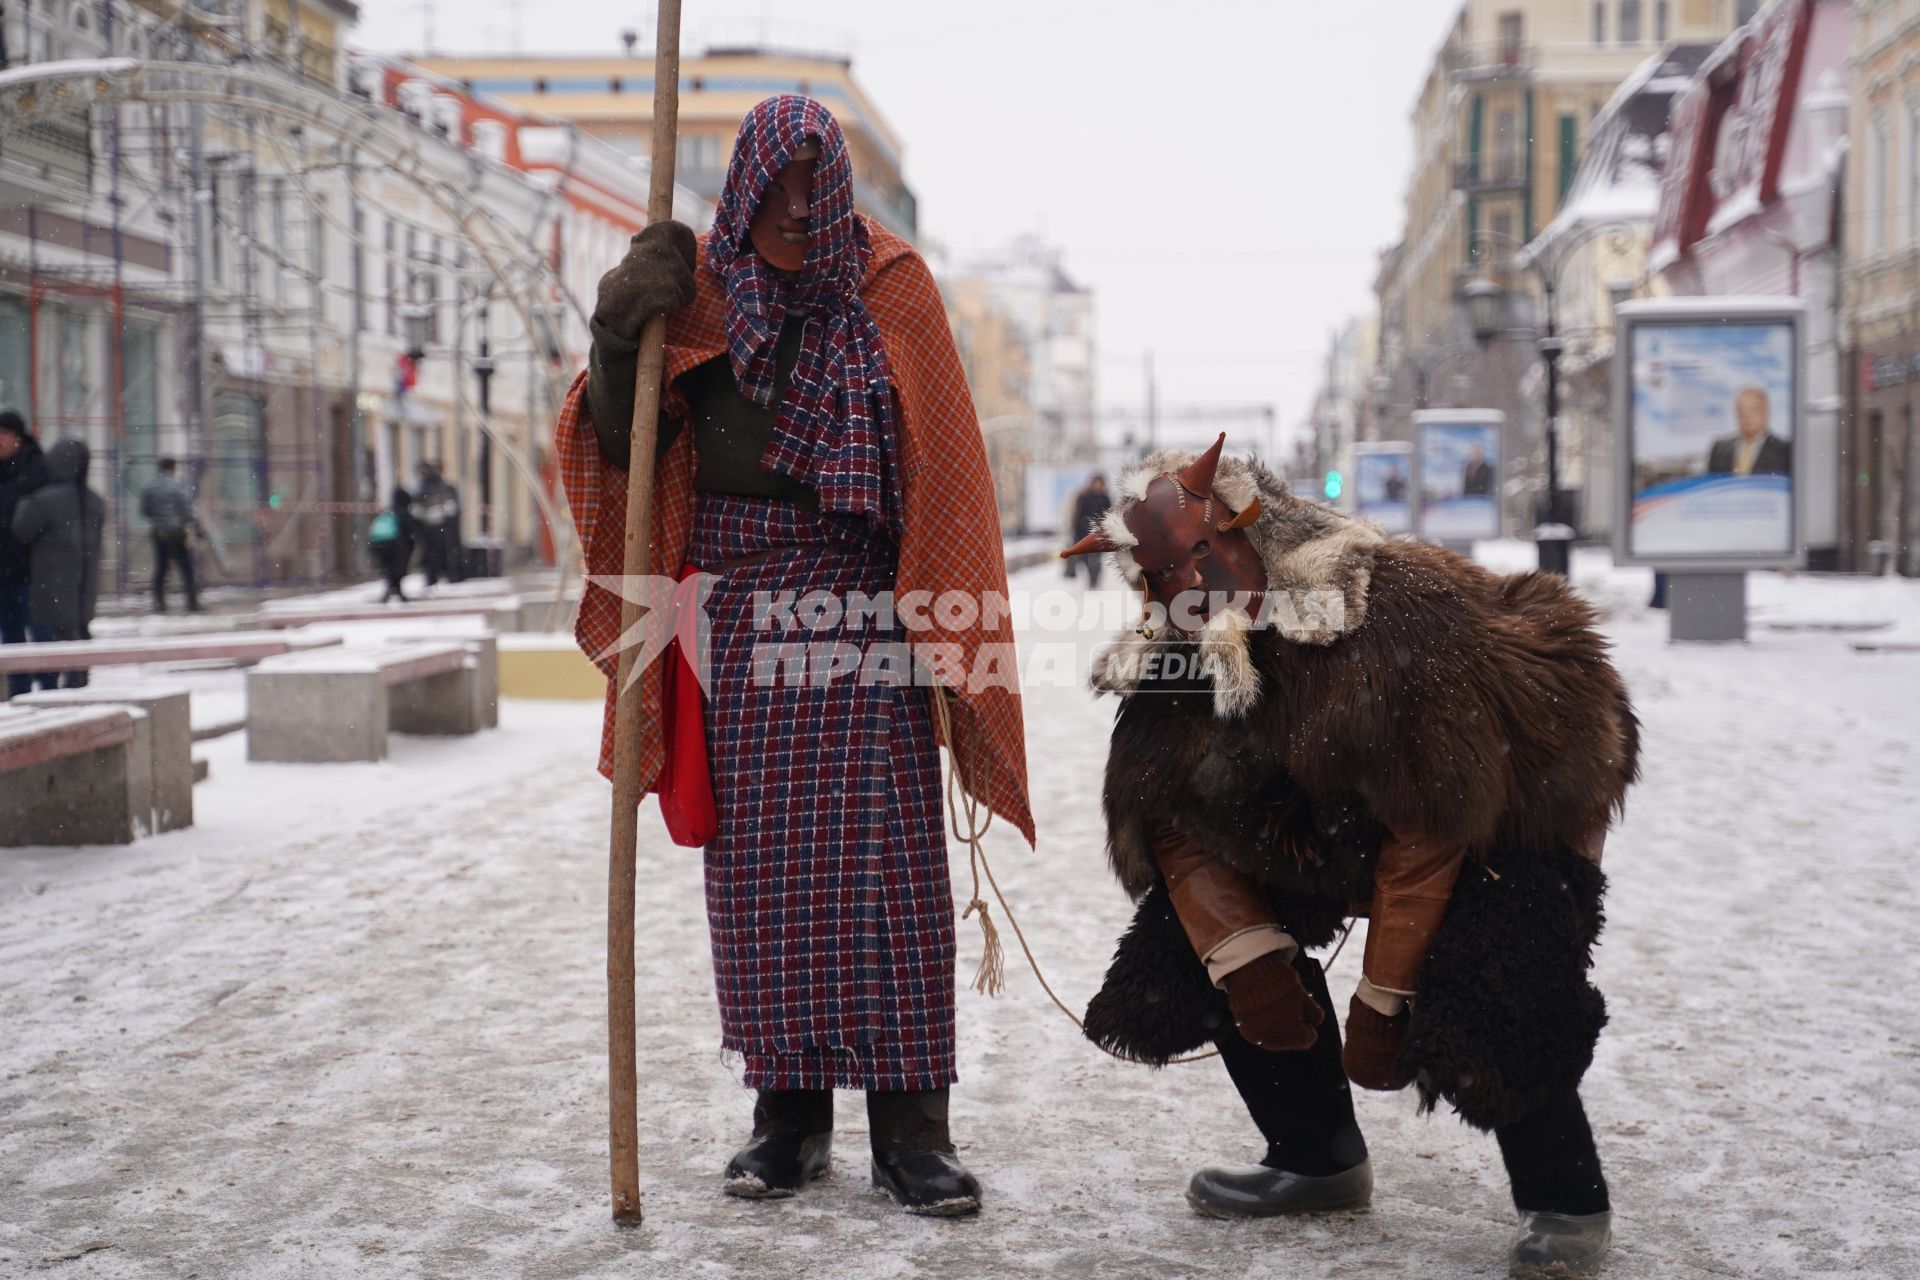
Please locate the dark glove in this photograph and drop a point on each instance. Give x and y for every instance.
(1373, 1042)
(655, 277)
(1270, 1005)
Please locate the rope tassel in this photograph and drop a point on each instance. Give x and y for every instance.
(991, 977)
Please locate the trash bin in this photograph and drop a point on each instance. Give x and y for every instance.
(1879, 556)
(481, 559)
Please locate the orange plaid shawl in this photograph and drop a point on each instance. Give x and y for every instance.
(951, 540)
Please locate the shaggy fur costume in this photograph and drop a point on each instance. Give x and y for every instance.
(1400, 688)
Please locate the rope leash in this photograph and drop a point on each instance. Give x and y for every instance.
(991, 977)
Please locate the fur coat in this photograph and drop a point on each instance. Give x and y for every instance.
(1398, 687)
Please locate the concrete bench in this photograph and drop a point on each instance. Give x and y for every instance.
(547, 611)
(340, 705)
(481, 641)
(502, 613)
(169, 731)
(72, 775)
(238, 647)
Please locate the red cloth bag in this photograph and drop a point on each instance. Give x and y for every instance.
(685, 785)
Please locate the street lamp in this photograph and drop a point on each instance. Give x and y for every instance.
(1553, 534)
(1483, 308)
(414, 322)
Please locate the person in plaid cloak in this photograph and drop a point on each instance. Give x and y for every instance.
(816, 436)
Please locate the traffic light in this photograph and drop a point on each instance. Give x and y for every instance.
(1333, 485)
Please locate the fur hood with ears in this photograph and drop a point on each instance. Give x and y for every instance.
(1319, 567)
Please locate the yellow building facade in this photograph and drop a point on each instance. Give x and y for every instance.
(1881, 287)
(994, 353)
(1500, 126)
(612, 99)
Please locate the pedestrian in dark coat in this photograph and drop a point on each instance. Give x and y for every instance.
(167, 505)
(22, 470)
(1090, 507)
(60, 524)
(436, 520)
(391, 536)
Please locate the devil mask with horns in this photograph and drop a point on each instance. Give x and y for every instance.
(1188, 543)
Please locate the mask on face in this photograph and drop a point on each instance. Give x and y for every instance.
(1186, 540)
(781, 223)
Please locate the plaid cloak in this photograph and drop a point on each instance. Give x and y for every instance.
(828, 899)
(950, 538)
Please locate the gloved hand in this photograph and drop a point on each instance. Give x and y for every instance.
(1270, 1005)
(655, 277)
(1373, 1042)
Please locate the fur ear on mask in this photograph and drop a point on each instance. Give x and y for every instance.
(1246, 517)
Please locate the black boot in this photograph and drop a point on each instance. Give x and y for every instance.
(792, 1144)
(1566, 1218)
(1316, 1159)
(913, 1155)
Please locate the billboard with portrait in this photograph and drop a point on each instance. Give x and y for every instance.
(1708, 407)
(1457, 474)
(1383, 485)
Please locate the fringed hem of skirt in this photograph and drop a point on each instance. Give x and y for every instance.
(878, 1067)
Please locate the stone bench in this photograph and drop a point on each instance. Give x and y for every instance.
(170, 742)
(237, 647)
(502, 613)
(73, 775)
(340, 705)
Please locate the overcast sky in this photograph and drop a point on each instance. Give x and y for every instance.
(1221, 172)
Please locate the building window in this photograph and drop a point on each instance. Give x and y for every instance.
(1660, 21)
(1512, 30)
(1569, 154)
(1599, 21)
(1912, 210)
(1877, 156)
(1629, 21)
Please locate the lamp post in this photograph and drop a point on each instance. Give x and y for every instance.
(483, 374)
(1553, 534)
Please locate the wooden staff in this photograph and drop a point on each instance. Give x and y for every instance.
(623, 1119)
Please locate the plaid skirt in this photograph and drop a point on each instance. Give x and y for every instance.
(828, 897)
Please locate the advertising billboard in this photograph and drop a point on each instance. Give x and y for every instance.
(1707, 406)
(1383, 485)
(1457, 474)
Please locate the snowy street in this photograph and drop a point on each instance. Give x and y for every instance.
(353, 1023)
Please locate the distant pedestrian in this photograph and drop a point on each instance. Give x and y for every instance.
(168, 509)
(22, 470)
(60, 524)
(391, 535)
(436, 522)
(1090, 507)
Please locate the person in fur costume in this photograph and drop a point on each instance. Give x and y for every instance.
(1318, 722)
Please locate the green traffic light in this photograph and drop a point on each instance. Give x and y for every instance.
(1333, 484)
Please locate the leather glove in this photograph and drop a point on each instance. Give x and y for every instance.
(655, 277)
(1271, 1007)
(1373, 1042)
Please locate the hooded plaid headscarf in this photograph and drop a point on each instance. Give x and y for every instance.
(835, 427)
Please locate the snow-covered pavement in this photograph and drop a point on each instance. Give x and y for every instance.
(352, 1024)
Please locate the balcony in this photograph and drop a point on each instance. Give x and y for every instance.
(57, 149)
(1503, 170)
(1490, 60)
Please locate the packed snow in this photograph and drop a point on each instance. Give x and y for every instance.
(352, 1023)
